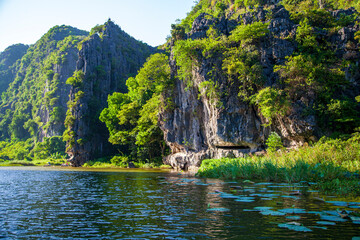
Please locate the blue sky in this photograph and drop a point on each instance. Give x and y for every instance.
(25, 21)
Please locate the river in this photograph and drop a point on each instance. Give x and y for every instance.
(58, 203)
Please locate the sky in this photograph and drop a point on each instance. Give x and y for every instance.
(25, 21)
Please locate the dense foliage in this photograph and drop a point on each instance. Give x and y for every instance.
(31, 105)
(8, 64)
(132, 118)
(312, 74)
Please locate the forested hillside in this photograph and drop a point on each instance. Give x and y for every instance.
(8, 59)
(232, 73)
(40, 108)
(34, 105)
(240, 70)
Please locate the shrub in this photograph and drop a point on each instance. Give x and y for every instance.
(121, 161)
(77, 79)
(249, 33)
(271, 102)
(274, 142)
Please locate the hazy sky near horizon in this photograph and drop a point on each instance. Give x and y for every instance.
(25, 21)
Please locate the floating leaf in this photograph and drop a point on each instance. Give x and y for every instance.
(331, 212)
(201, 184)
(293, 217)
(249, 210)
(355, 219)
(245, 198)
(262, 208)
(314, 212)
(319, 227)
(295, 227)
(338, 203)
(218, 209)
(248, 181)
(227, 195)
(272, 213)
(332, 218)
(325, 223)
(188, 180)
(265, 195)
(293, 210)
(293, 197)
(263, 183)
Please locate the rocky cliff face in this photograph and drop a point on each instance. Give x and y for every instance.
(106, 60)
(197, 128)
(53, 115)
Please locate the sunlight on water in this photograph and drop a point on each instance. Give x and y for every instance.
(44, 203)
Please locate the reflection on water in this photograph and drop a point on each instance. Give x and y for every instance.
(48, 204)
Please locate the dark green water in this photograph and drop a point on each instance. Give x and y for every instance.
(46, 204)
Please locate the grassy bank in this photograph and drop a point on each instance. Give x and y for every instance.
(121, 162)
(333, 164)
(39, 162)
(97, 163)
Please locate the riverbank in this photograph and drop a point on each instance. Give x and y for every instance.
(333, 165)
(98, 163)
(38, 162)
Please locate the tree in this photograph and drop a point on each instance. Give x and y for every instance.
(274, 142)
(132, 118)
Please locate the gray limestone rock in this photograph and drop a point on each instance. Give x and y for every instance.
(107, 60)
(197, 129)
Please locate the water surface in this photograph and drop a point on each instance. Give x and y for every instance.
(46, 203)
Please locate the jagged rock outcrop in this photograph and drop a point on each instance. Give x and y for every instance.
(106, 60)
(196, 128)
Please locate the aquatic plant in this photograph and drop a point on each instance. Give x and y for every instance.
(332, 163)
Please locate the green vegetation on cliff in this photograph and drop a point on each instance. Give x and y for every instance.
(314, 79)
(107, 57)
(8, 62)
(312, 73)
(317, 78)
(132, 118)
(32, 109)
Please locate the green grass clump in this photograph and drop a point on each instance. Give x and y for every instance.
(333, 163)
(37, 162)
(164, 166)
(119, 162)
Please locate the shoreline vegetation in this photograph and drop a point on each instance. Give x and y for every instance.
(333, 165)
(97, 163)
